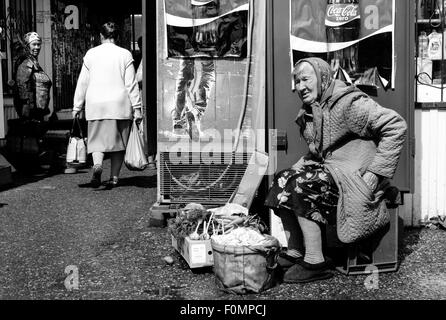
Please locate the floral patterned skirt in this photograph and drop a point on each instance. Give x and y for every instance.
(309, 192)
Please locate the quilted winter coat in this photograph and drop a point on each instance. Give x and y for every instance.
(352, 134)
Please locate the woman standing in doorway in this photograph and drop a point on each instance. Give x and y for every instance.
(33, 84)
(108, 90)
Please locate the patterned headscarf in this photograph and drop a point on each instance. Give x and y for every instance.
(324, 76)
(31, 37)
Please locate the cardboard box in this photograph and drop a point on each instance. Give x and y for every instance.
(197, 253)
(430, 93)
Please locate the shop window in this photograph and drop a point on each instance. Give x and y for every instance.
(132, 32)
(431, 53)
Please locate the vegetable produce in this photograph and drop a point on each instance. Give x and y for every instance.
(195, 235)
(241, 237)
(187, 222)
(194, 221)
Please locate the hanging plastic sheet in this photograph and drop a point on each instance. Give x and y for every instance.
(202, 28)
(375, 41)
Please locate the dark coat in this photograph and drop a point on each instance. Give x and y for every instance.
(32, 91)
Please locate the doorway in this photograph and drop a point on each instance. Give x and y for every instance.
(75, 30)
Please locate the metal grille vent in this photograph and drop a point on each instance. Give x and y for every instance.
(201, 178)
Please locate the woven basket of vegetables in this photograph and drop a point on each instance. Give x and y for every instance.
(245, 261)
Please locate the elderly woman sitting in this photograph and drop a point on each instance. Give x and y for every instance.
(354, 148)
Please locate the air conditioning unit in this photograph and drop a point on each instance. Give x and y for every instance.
(201, 178)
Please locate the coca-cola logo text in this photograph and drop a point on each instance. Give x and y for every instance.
(342, 12)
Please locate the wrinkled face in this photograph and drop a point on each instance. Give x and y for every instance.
(34, 48)
(306, 83)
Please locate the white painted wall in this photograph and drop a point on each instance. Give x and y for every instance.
(429, 198)
(432, 164)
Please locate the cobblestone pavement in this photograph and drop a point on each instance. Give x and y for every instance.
(49, 223)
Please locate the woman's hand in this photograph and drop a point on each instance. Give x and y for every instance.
(371, 179)
(137, 115)
(75, 114)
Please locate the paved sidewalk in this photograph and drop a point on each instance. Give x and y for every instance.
(49, 223)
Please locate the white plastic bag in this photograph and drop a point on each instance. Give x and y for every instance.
(229, 209)
(77, 150)
(77, 146)
(135, 157)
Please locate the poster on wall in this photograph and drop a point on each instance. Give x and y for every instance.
(356, 37)
(206, 28)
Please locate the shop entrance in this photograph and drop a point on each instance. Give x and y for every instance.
(75, 29)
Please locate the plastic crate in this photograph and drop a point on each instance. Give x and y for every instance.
(380, 252)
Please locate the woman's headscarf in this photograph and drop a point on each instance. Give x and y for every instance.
(325, 82)
(31, 37)
(324, 76)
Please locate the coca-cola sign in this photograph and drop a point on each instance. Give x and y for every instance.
(342, 13)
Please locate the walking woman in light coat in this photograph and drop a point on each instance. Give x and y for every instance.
(108, 91)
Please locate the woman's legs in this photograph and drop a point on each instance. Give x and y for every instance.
(293, 232)
(117, 159)
(98, 159)
(313, 241)
(313, 267)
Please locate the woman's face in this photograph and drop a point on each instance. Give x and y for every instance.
(306, 83)
(34, 48)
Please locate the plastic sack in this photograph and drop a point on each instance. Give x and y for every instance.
(77, 150)
(230, 209)
(77, 146)
(135, 157)
(246, 269)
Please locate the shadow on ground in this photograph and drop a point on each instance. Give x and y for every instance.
(28, 171)
(20, 179)
(410, 238)
(139, 181)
